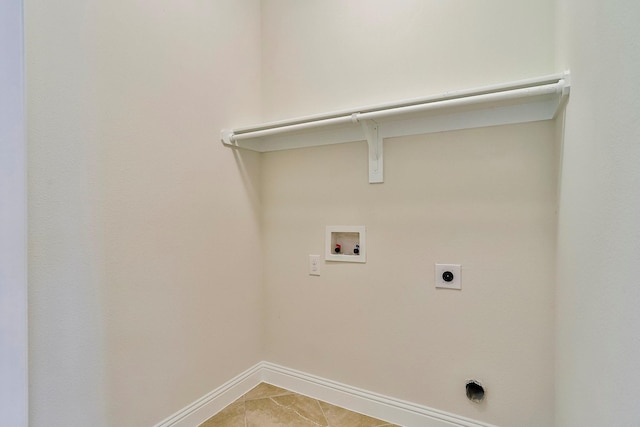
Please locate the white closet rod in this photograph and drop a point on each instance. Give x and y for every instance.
(547, 85)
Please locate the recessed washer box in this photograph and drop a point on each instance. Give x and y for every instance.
(345, 243)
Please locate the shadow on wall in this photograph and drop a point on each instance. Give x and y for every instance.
(249, 168)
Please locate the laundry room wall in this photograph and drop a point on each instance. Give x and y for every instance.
(141, 225)
(483, 198)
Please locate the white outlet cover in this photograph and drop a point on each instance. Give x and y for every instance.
(455, 269)
(314, 265)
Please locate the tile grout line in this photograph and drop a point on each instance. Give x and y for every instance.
(244, 407)
(323, 413)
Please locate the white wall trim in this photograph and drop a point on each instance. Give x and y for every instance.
(213, 402)
(366, 402)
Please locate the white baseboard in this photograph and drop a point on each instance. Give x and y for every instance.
(213, 402)
(365, 402)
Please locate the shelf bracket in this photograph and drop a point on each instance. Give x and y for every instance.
(374, 140)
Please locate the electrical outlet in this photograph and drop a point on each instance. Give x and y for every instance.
(314, 265)
(448, 276)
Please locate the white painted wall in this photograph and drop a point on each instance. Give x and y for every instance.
(141, 224)
(321, 56)
(598, 380)
(483, 198)
(13, 223)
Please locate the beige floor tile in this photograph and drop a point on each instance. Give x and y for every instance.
(270, 406)
(231, 416)
(284, 411)
(340, 417)
(263, 390)
(304, 406)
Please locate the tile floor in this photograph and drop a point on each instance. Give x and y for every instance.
(270, 406)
